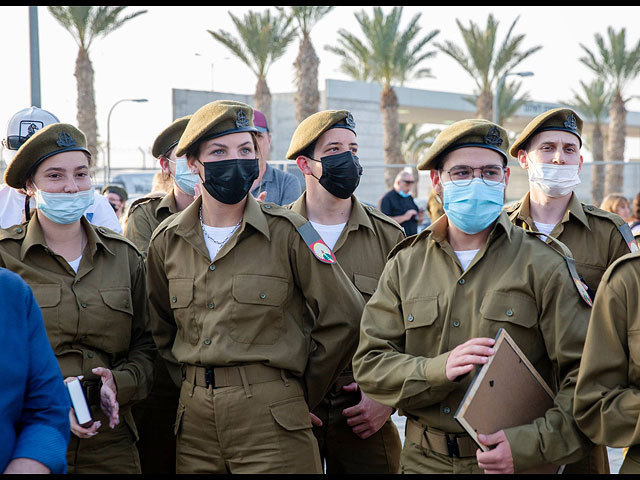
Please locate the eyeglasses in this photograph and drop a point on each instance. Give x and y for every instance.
(462, 175)
(409, 182)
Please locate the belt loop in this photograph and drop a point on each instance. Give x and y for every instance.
(245, 382)
(284, 377)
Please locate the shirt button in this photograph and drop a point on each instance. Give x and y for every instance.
(90, 354)
(456, 323)
(509, 313)
(461, 281)
(19, 230)
(174, 299)
(446, 410)
(207, 341)
(83, 305)
(410, 318)
(212, 267)
(267, 207)
(211, 305)
(263, 295)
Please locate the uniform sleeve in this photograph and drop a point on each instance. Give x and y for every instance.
(134, 375)
(383, 370)
(138, 230)
(607, 400)
(555, 438)
(44, 424)
(336, 306)
(618, 247)
(163, 324)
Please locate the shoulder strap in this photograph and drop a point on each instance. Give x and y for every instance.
(315, 243)
(625, 230)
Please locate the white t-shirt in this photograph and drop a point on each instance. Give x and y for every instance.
(329, 233)
(75, 263)
(545, 228)
(12, 210)
(466, 257)
(219, 234)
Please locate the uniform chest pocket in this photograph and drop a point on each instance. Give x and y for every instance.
(258, 308)
(422, 328)
(512, 308)
(181, 302)
(113, 326)
(365, 284)
(48, 297)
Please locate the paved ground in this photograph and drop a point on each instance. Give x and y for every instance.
(615, 454)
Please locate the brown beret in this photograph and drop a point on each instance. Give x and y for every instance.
(563, 119)
(51, 140)
(216, 119)
(466, 133)
(169, 137)
(312, 127)
(117, 189)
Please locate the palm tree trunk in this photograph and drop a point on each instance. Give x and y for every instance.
(262, 99)
(484, 105)
(306, 65)
(86, 103)
(597, 173)
(391, 126)
(615, 144)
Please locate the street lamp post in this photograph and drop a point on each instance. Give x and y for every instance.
(496, 96)
(137, 100)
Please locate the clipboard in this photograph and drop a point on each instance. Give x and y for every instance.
(496, 397)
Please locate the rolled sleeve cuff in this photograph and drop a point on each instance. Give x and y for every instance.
(435, 372)
(525, 448)
(44, 444)
(126, 386)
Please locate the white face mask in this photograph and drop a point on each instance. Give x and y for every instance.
(553, 180)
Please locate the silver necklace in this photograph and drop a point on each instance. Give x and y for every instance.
(206, 234)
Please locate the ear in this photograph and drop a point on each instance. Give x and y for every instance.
(164, 165)
(522, 159)
(580, 164)
(29, 188)
(303, 165)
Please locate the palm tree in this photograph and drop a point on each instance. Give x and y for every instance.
(593, 104)
(390, 56)
(262, 40)
(86, 24)
(508, 100)
(307, 96)
(617, 66)
(484, 61)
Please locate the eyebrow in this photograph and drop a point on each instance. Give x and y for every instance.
(227, 146)
(62, 169)
(338, 143)
(550, 142)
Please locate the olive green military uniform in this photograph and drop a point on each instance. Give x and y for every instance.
(155, 416)
(253, 362)
(426, 305)
(361, 250)
(606, 400)
(434, 207)
(145, 214)
(591, 234)
(96, 317)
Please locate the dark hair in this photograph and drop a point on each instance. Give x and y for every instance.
(636, 207)
(310, 150)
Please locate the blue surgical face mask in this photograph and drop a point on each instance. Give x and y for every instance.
(474, 207)
(185, 178)
(404, 194)
(64, 208)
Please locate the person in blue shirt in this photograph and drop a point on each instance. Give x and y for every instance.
(34, 425)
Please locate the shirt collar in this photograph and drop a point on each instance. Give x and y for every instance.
(357, 218)
(169, 202)
(523, 212)
(438, 229)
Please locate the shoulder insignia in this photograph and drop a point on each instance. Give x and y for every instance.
(315, 243)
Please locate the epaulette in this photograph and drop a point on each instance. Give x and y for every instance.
(309, 235)
(407, 242)
(374, 212)
(15, 232)
(619, 261)
(144, 200)
(108, 233)
(163, 225)
(621, 225)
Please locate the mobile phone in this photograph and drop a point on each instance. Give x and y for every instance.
(79, 403)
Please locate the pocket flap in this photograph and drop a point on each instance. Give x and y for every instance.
(291, 414)
(117, 299)
(509, 307)
(180, 292)
(47, 295)
(260, 289)
(420, 312)
(365, 284)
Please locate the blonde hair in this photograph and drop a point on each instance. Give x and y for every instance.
(162, 182)
(613, 201)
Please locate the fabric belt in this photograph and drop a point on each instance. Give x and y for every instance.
(219, 377)
(451, 444)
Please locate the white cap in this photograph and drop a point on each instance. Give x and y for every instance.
(24, 124)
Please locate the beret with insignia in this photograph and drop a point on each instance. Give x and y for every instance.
(51, 140)
(169, 137)
(222, 117)
(117, 189)
(312, 127)
(563, 119)
(466, 133)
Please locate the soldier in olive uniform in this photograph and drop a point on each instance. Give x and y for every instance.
(606, 399)
(90, 284)
(549, 149)
(354, 433)
(230, 281)
(146, 213)
(442, 298)
(155, 417)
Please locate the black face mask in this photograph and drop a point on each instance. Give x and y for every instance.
(229, 181)
(340, 174)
